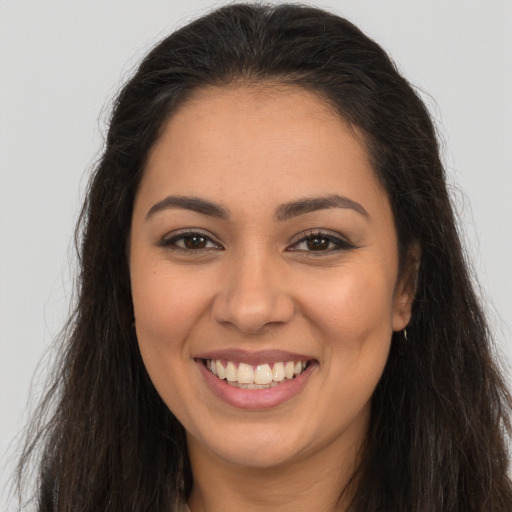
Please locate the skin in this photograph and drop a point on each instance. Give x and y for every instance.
(258, 285)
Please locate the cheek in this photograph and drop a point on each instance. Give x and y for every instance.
(353, 318)
(356, 321)
(353, 308)
(167, 304)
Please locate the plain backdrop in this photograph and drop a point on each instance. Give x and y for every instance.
(60, 65)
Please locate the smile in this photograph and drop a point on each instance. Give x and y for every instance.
(261, 376)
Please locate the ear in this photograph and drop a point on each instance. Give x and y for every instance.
(406, 287)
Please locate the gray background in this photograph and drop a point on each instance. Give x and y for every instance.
(62, 61)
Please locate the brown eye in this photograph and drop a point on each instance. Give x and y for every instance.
(318, 243)
(195, 242)
(190, 241)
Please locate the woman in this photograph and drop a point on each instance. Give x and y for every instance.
(274, 309)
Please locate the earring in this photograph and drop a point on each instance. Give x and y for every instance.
(405, 334)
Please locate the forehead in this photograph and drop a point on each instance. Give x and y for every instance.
(259, 141)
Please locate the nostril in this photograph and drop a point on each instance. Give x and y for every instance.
(252, 313)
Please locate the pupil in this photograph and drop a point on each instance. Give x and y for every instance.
(195, 242)
(318, 243)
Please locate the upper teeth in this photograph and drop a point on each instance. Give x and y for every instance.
(259, 374)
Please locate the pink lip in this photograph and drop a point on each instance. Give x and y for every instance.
(255, 398)
(254, 358)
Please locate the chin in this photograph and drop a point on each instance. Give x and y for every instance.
(259, 458)
(258, 448)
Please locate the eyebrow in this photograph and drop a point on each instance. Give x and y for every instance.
(312, 204)
(194, 204)
(283, 212)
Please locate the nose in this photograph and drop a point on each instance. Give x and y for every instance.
(253, 296)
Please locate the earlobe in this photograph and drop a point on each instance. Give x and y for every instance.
(402, 313)
(406, 288)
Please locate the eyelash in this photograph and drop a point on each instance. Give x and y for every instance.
(334, 243)
(172, 242)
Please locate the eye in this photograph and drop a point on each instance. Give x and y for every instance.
(320, 242)
(190, 241)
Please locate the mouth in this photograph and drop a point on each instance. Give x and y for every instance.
(258, 380)
(261, 376)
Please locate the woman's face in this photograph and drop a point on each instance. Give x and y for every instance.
(263, 248)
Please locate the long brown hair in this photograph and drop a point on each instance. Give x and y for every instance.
(440, 414)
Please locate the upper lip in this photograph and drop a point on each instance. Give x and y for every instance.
(254, 358)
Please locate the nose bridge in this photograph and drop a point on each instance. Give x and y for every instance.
(253, 293)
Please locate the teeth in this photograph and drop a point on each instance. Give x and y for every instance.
(261, 376)
(231, 373)
(288, 370)
(278, 372)
(220, 370)
(245, 374)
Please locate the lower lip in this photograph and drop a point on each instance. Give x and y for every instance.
(255, 398)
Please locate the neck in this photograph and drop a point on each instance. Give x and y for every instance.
(324, 481)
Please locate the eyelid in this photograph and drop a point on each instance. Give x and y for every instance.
(337, 238)
(340, 241)
(168, 239)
